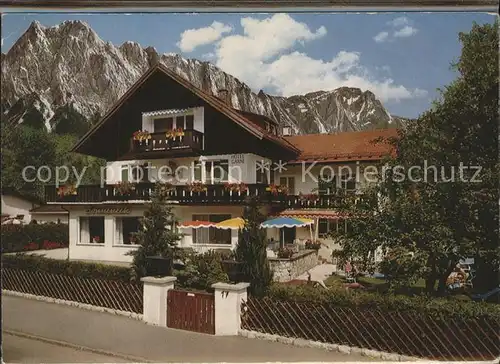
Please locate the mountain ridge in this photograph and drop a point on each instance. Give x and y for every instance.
(65, 77)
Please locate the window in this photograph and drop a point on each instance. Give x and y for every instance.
(348, 182)
(189, 122)
(140, 173)
(163, 124)
(92, 230)
(338, 226)
(125, 173)
(125, 227)
(135, 173)
(179, 122)
(327, 184)
(197, 166)
(323, 226)
(289, 235)
(211, 235)
(264, 176)
(220, 171)
(290, 183)
(216, 171)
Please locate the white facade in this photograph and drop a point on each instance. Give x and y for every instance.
(14, 205)
(180, 171)
(110, 244)
(241, 168)
(113, 248)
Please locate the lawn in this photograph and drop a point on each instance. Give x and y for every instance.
(374, 284)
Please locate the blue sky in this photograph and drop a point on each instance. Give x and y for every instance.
(401, 57)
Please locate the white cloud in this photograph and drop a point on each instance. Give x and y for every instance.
(193, 38)
(407, 31)
(398, 22)
(381, 37)
(208, 55)
(267, 56)
(403, 28)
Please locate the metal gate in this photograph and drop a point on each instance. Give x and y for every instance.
(191, 311)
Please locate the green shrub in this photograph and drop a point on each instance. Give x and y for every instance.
(434, 307)
(16, 237)
(201, 270)
(69, 268)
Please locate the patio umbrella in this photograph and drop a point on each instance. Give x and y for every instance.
(196, 224)
(281, 222)
(235, 223)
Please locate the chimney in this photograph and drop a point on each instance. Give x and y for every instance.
(223, 94)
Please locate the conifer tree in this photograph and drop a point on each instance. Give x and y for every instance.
(251, 251)
(159, 236)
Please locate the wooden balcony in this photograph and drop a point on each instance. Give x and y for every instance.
(215, 194)
(190, 143)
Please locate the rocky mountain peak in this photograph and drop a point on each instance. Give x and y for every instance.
(69, 67)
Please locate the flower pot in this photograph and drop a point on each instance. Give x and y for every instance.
(67, 198)
(157, 266)
(234, 270)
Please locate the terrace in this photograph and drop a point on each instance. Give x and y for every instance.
(215, 194)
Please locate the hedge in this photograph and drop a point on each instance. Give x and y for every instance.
(69, 268)
(439, 308)
(15, 238)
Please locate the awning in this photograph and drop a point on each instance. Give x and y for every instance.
(313, 214)
(282, 222)
(235, 223)
(196, 224)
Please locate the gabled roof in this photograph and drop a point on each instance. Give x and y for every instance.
(49, 209)
(212, 100)
(343, 147)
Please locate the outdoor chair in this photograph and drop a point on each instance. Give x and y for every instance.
(350, 277)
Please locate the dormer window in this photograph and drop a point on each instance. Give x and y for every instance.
(162, 121)
(163, 124)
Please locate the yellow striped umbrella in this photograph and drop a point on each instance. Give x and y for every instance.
(235, 223)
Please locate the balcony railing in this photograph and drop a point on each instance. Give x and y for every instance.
(192, 140)
(214, 194)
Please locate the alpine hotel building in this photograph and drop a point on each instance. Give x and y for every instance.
(215, 155)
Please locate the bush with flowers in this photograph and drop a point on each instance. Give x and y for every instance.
(17, 238)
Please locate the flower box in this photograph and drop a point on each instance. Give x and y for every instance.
(174, 133)
(197, 187)
(238, 188)
(141, 135)
(277, 189)
(309, 197)
(67, 192)
(124, 189)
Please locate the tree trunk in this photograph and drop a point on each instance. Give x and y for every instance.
(430, 281)
(442, 280)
